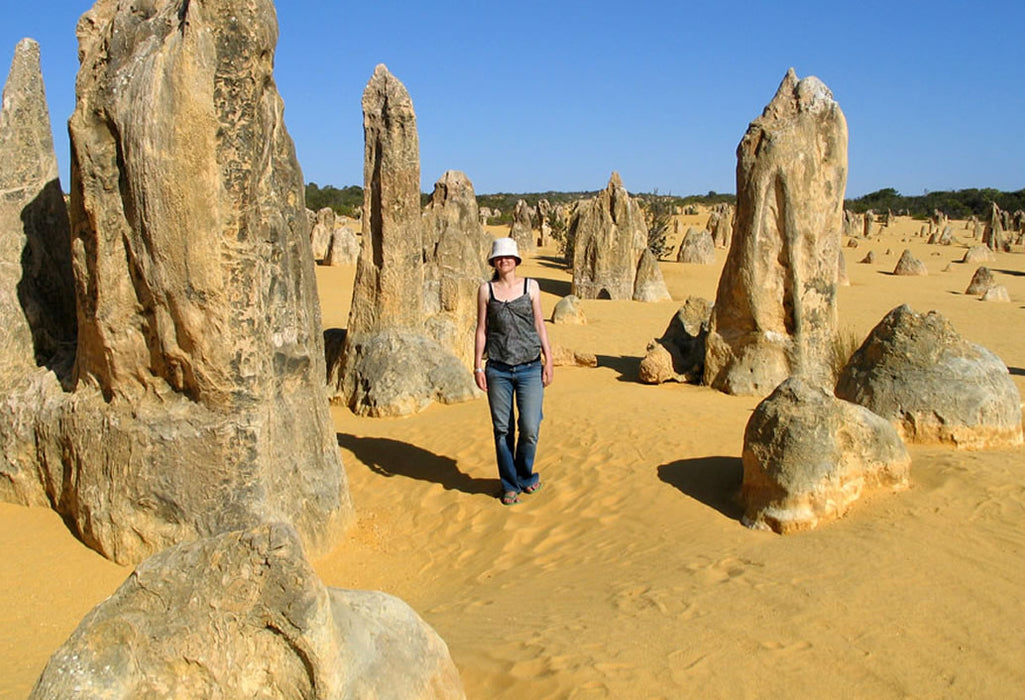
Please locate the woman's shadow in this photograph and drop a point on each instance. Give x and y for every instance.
(393, 458)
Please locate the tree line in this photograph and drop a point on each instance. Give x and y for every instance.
(957, 204)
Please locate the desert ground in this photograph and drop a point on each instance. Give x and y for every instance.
(629, 575)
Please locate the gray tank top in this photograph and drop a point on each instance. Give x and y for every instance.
(512, 338)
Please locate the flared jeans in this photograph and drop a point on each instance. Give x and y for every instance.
(515, 389)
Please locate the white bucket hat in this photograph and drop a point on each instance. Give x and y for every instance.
(505, 247)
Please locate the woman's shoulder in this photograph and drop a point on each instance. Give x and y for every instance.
(533, 288)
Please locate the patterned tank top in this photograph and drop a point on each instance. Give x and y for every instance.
(512, 338)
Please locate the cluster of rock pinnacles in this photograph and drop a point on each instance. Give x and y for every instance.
(164, 366)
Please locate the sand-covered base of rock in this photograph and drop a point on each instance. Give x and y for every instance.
(629, 574)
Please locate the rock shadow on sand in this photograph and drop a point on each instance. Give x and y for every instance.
(628, 367)
(559, 288)
(393, 458)
(715, 481)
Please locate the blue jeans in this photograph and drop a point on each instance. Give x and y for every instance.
(515, 457)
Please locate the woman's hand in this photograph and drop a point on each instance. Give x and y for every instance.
(547, 373)
(482, 381)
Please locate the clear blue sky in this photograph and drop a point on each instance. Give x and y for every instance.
(533, 96)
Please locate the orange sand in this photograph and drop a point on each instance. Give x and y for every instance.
(629, 575)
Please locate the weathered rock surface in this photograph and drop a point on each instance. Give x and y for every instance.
(842, 280)
(775, 309)
(993, 235)
(37, 301)
(455, 250)
(609, 237)
(649, 285)
(196, 402)
(343, 248)
(982, 280)
(567, 311)
(809, 456)
(521, 230)
(910, 266)
(932, 384)
(870, 258)
(679, 355)
(244, 614)
(697, 247)
(391, 366)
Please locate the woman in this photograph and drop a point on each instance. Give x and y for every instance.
(511, 332)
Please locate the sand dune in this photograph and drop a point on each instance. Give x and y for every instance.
(629, 574)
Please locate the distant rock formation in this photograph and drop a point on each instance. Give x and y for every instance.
(679, 355)
(852, 224)
(909, 265)
(775, 310)
(720, 224)
(37, 298)
(195, 404)
(697, 247)
(390, 365)
(870, 257)
(320, 235)
(455, 253)
(245, 615)
(567, 311)
(916, 371)
(343, 248)
(993, 235)
(609, 237)
(521, 230)
(808, 456)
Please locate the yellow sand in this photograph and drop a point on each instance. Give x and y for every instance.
(629, 574)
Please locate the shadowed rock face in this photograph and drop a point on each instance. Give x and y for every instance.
(808, 456)
(198, 403)
(38, 302)
(390, 365)
(916, 371)
(775, 310)
(245, 615)
(609, 237)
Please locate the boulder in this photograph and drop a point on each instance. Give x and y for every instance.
(344, 247)
(455, 250)
(649, 285)
(808, 456)
(909, 265)
(37, 298)
(982, 280)
(244, 614)
(567, 357)
(567, 311)
(679, 355)
(195, 403)
(609, 236)
(869, 258)
(932, 384)
(977, 254)
(391, 365)
(521, 229)
(775, 309)
(697, 247)
(997, 292)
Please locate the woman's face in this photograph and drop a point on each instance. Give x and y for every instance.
(503, 262)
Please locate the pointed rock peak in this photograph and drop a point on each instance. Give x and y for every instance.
(615, 181)
(386, 92)
(798, 95)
